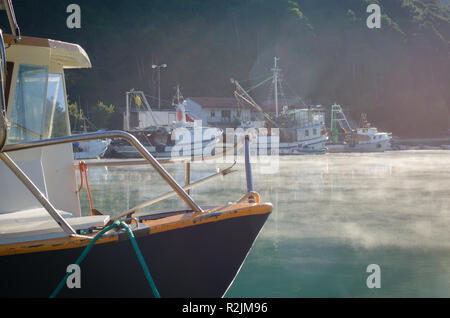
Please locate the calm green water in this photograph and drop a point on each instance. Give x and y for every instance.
(333, 215)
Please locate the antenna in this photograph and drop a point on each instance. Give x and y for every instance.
(178, 98)
(8, 7)
(276, 71)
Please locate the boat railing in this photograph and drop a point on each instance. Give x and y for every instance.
(165, 160)
(149, 159)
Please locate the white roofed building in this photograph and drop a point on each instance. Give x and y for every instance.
(217, 111)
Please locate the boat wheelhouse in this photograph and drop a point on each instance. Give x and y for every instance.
(301, 129)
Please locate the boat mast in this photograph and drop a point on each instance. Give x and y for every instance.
(334, 131)
(178, 98)
(276, 70)
(127, 111)
(8, 7)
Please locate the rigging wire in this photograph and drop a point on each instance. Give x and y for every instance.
(156, 98)
(257, 85)
(296, 95)
(255, 78)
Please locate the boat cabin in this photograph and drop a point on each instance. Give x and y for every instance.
(371, 134)
(36, 109)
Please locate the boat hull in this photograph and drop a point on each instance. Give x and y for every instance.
(163, 152)
(90, 149)
(194, 261)
(301, 147)
(379, 146)
(195, 149)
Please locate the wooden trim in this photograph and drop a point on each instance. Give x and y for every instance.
(51, 245)
(169, 223)
(192, 219)
(26, 40)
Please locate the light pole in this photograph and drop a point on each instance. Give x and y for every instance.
(158, 67)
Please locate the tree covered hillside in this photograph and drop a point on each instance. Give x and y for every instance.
(398, 74)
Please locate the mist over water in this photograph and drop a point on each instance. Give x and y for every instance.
(333, 215)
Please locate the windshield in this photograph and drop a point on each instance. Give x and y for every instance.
(55, 108)
(39, 109)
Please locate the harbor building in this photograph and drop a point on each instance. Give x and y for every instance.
(217, 111)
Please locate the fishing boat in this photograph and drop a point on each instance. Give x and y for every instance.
(300, 129)
(183, 137)
(49, 247)
(365, 138)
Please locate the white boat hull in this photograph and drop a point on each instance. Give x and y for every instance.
(196, 150)
(90, 149)
(301, 147)
(378, 146)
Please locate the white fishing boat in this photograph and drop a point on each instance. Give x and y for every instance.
(362, 139)
(90, 149)
(185, 137)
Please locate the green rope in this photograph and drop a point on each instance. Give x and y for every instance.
(91, 244)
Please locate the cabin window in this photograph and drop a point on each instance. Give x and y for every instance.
(213, 114)
(55, 112)
(226, 115)
(29, 100)
(306, 133)
(39, 110)
(315, 131)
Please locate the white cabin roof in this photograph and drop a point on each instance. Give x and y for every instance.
(68, 55)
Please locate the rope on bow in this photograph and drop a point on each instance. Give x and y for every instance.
(83, 169)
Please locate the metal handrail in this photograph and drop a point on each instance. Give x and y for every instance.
(112, 134)
(130, 162)
(187, 187)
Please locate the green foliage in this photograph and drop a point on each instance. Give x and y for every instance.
(75, 116)
(295, 8)
(398, 74)
(352, 16)
(59, 127)
(101, 114)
